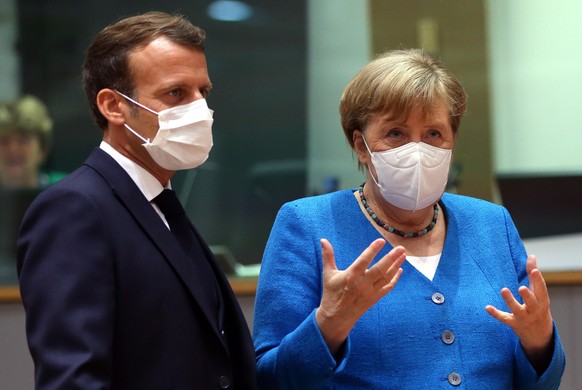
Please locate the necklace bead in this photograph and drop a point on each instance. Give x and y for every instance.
(393, 230)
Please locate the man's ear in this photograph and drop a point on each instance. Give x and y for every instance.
(110, 105)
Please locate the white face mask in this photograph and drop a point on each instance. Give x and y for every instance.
(412, 176)
(184, 138)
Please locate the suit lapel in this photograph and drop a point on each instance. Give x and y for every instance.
(125, 190)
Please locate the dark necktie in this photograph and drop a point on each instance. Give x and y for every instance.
(180, 226)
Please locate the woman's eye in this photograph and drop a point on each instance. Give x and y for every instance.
(434, 134)
(395, 133)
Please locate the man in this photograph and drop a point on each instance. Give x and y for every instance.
(113, 298)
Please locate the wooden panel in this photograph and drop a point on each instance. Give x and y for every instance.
(241, 286)
(566, 304)
(460, 41)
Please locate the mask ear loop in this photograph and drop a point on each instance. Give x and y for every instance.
(369, 170)
(137, 103)
(147, 141)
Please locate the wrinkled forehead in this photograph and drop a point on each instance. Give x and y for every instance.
(437, 112)
(400, 99)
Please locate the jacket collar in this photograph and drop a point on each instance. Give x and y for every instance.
(127, 192)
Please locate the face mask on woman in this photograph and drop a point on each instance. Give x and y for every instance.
(184, 138)
(412, 176)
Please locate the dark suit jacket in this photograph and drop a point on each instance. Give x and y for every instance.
(111, 299)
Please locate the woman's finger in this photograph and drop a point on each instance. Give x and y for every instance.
(327, 256)
(512, 303)
(499, 315)
(391, 282)
(538, 287)
(529, 299)
(360, 265)
(388, 265)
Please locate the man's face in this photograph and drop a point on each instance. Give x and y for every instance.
(20, 158)
(165, 75)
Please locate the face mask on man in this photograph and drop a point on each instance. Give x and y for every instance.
(184, 137)
(412, 176)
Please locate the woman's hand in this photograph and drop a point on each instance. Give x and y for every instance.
(532, 320)
(348, 294)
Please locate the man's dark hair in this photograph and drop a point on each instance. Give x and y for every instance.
(106, 62)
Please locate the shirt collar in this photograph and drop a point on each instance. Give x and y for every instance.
(145, 181)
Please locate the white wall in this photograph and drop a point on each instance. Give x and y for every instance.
(338, 46)
(536, 84)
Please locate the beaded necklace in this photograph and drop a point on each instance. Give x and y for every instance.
(391, 229)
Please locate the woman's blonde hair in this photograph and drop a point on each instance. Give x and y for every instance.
(27, 115)
(396, 82)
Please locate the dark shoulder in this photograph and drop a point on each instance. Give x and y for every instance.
(78, 187)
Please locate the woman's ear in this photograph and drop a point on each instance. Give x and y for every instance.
(360, 148)
(109, 104)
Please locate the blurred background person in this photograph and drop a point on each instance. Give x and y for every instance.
(26, 131)
(25, 141)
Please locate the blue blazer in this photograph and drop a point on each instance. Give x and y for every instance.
(425, 334)
(111, 299)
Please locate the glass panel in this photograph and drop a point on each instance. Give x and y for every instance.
(278, 75)
(258, 68)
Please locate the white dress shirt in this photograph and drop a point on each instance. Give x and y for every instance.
(145, 181)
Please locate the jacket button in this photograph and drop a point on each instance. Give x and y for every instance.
(224, 382)
(438, 298)
(448, 337)
(454, 379)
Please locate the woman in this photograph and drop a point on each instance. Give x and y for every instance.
(25, 142)
(395, 285)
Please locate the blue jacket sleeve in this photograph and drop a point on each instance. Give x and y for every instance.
(525, 375)
(291, 352)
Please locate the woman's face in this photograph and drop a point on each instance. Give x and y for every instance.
(20, 158)
(385, 131)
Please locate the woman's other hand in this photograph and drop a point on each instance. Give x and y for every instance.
(348, 294)
(532, 320)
